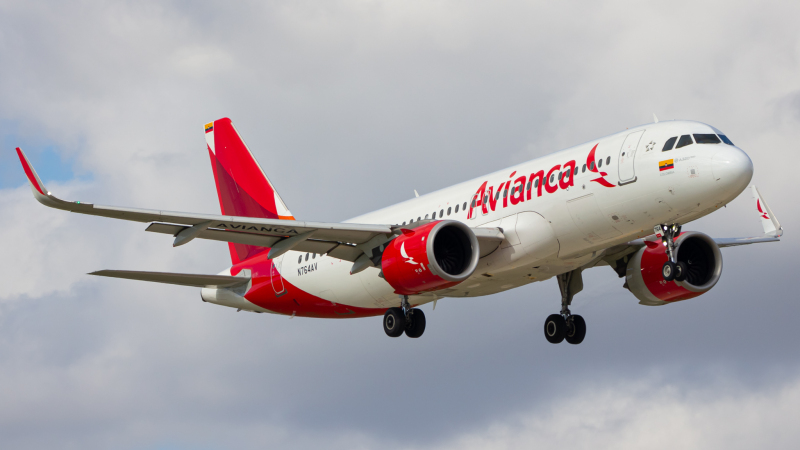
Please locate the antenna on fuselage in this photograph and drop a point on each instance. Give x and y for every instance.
(415, 193)
(655, 119)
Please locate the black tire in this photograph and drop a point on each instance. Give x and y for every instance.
(668, 271)
(577, 331)
(394, 322)
(682, 270)
(415, 326)
(555, 328)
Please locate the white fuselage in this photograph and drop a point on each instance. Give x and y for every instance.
(558, 231)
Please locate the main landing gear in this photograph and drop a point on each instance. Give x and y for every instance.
(672, 269)
(559, 327)
(404, 319)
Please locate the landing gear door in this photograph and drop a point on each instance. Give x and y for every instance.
(627, 154)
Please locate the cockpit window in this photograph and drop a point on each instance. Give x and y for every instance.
(669, 144)
(725, 139)
(685, 140)
(706, 139)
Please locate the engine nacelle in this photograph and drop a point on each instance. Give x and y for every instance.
(701, 255)
(434, 256)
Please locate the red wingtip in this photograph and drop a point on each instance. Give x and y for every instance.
(29, 172)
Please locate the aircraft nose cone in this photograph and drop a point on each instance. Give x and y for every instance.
(732, 169)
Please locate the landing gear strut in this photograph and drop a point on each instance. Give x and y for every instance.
(559, 327)
(672, 269)
(404, 319)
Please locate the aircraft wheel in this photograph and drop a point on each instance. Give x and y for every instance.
(669, 270)
(576, 330)
(415, 326)
(394, 322)
(555, 328)
(682, 270)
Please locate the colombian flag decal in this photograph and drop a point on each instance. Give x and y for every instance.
(666, 165)
(209, 127)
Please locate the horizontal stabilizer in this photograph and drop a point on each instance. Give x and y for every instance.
(182, 279)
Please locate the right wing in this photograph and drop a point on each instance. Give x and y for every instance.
(344, 241)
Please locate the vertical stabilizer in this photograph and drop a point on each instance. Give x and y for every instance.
(242, 186)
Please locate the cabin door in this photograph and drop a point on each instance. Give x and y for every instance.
(276, 278)
(627, 154)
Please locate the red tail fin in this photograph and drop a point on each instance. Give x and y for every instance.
(243, 188)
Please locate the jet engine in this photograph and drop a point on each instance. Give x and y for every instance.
(703, 262)
(434, 256)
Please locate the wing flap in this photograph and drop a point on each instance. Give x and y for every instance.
(181, 279)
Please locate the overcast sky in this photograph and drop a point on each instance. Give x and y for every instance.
(350, 106)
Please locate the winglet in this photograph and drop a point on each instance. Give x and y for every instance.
(36, 182)
(768, 220)
(41, 193)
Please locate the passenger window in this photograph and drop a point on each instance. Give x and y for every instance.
(608, 160)
(300, 259)
(552, 177)
(725, 139)
(433, 216)
(449, 209)
(441, 213)
(419, 218)
(536, 183)
(706, 139)
(591, 165)
(669, 144)
(313, 256)
(426, 217)
(465, 206)
(404, 222)
(685, 140)
(600, 163)
(576, 172)
(505, 192)
(457, 208)
(583, 169)
(306, 256)
(497, 196)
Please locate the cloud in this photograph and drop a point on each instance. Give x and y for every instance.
(649, 415)
(349, 106)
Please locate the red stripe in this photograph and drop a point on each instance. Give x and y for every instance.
(28, 171)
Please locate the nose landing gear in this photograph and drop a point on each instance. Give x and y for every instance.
(404, 319)
(672, 269)
(566, 326)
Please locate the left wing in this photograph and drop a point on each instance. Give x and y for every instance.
(346, 241)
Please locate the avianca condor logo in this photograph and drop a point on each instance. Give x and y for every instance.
(558, 177)
(591, 165)
(761, 211)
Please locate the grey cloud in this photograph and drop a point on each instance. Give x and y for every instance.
(349, 106)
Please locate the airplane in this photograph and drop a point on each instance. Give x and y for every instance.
(617, 201)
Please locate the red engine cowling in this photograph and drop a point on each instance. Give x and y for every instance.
(434, 256)
(701, 255)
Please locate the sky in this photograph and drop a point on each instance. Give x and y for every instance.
(350, 106)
